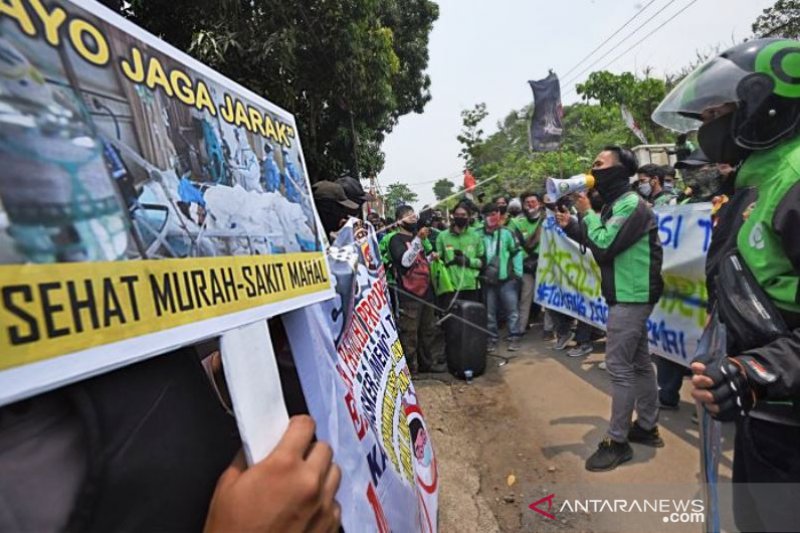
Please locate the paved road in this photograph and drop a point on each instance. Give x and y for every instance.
(537, 417)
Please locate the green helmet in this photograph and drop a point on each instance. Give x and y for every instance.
(762, 77)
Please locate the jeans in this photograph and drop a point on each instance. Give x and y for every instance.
(561, 323)
(670, 379)
(633, 379)
(503, 296)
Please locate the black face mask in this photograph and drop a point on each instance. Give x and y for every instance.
(502, 209)
(331, 215)
(410, 227)
(460, 222)
(611, 182)
(717, 142)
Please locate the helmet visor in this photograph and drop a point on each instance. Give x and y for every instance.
(711, 85)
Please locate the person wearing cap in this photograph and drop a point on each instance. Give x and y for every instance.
(701, 177)
(333, 206)
(354, 191)
(410, 257)
(624, 241)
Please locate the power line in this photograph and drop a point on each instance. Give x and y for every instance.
(627, 37)
(640, 41)
(579, 63)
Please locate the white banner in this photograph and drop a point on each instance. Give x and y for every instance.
(358, 388)
(569, 281)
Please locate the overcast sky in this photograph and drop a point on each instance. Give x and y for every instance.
(487, 51)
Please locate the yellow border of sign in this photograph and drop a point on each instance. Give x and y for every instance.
(51, 310)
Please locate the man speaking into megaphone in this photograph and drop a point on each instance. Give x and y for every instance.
(624, 241)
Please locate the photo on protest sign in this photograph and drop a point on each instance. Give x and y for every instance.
(568, 280)
(140, 192)
(358, 388)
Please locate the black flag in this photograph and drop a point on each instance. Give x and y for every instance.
(546, 128)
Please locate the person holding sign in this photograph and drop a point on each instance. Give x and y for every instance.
(624, 241)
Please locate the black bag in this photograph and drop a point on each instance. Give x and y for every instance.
(491, 272)
(465, 343)
(750, 316)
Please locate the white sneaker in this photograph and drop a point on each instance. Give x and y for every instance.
(602, 365)
(562, 342)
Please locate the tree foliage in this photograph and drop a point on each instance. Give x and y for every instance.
(780, 20)
(443, 188)
(399, 194)
(347, 69)
(640, 95)
(471, 133)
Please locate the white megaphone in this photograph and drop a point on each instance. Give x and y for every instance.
(559, 188)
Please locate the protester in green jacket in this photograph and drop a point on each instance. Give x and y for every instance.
(527, 230)
(501, 275)
(462, 251)
(624, 241)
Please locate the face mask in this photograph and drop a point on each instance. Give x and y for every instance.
(611, 182)
(460, 222)
(533, 214)
(427, 456)
(704, 182)
(669, 186)
(716, 140)
(502, 209)
(645, 189)
(410, 227)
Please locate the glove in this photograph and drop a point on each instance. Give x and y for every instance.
(460, 259)
(732, 391)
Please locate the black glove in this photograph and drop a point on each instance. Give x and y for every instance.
(460, 259)
(731, 390)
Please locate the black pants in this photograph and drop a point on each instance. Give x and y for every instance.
(766, 461)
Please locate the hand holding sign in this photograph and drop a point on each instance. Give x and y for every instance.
(292, 489)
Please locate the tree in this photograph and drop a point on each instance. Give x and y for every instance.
(347, 69)
(399, 194)
(640, 95)
(780, 20)
(471, 134)
(443, 189)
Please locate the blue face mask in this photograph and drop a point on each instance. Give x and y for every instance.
(427, 457)
(669, 186)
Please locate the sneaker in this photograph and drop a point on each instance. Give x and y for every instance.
(640, 435)
(609, 455)
(491, 347)
(562, 342)
(580, 350)
(513, 345)
(602, 365)
(668, 406)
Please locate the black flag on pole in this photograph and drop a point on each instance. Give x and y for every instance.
(546, 128)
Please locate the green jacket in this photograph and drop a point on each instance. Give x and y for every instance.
(624, 241)
(471, 244)
(769, 240)
(665, 198)
(386, 257)
(510, 258)
(523, 229)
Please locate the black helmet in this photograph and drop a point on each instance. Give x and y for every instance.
(761, 77)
